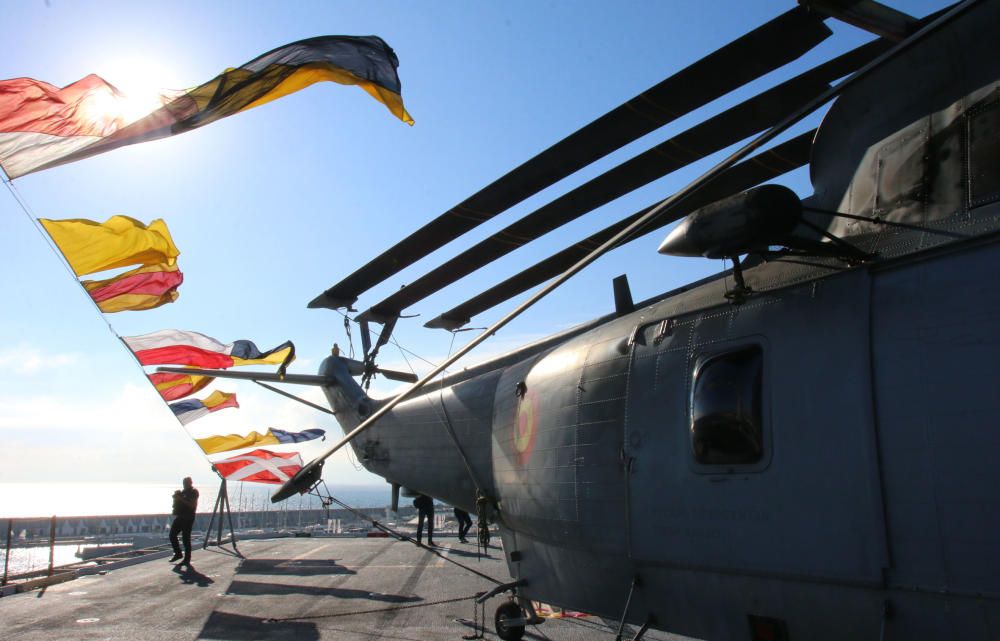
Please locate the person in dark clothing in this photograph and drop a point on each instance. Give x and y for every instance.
(185, 505)
(464, 523)
(425, 510)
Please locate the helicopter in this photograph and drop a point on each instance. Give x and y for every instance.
(799, 447)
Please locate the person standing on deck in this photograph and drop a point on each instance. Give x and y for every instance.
(464, 523)
(185, 505)
(425, 510)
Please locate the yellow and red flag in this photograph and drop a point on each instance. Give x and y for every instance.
(145, 287)
(43, 126)
(174, 386)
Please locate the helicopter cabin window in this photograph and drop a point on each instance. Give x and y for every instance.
(726, 409)
(983, 141)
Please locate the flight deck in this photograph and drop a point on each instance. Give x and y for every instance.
(301, 589)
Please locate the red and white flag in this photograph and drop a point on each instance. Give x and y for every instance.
(260, 466)
(178, 347)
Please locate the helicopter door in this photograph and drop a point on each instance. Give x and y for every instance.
(749, 438)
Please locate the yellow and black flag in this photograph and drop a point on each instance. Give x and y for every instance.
(43, 126)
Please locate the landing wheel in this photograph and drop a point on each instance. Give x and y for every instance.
(509, 611)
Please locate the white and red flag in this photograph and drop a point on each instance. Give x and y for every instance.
(260, 466)
(177, 347)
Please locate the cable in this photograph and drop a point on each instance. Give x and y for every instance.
(350, 339)
(483, 500)
(60, 256)
(348, 319)
(397, 535)
(375, 610)
(353, 460)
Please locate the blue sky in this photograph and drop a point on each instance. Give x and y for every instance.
(272, 206)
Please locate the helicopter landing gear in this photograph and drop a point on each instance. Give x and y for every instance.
(509, 621)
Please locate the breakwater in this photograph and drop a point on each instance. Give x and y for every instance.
(33, 530)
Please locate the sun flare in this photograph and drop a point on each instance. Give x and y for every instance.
(142, 85)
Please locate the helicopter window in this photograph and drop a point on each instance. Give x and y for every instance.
(726, 415)
(983, 139)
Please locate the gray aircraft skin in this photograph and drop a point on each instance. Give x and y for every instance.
(817, 462)
(873, 510)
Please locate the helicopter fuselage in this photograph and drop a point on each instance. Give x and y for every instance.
(813, 458)
(874, 486)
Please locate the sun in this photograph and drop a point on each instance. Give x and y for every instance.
(145, 85)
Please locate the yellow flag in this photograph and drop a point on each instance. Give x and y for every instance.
(216, 444)
(92, 247)
(277, 356)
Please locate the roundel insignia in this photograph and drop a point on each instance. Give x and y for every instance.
(526, 427)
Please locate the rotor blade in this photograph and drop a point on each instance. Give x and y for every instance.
(354, 366)
(759, 52)
(766, 165)
(716, 133)
(294, 379)
(311, 470)
(394, 375)
(357, 368)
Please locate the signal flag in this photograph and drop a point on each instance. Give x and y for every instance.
(179, 347)
(43, 126)
(217, 444)
(192, 409)
(145, 287)
(260, 466)
(119, 241)
(174, 386)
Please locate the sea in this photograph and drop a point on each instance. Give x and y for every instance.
(34, 500)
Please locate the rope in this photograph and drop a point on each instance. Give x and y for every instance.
(348, 320)
(376, 610)
(402, 537)
(350, 339)
(60, 256)
(482, 499)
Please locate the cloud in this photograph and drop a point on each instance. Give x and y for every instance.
(135, 407)
(260, 410)
(27, 359)
(132, 434)
(134, 437)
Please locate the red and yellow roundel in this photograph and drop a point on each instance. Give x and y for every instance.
(526, 427)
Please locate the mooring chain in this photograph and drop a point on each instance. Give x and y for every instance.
(478, 619)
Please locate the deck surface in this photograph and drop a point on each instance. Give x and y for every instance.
(299, 589)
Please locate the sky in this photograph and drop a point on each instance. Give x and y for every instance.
(272, 206)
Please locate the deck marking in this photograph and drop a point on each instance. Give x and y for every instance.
(445, 551)
(305, 554)
(388, 618)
